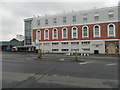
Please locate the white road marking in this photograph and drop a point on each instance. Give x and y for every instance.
(61, 59)
(84, 63)
(111, 64)
(67, 76)
(54, 75)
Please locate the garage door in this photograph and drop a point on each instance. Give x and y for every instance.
(111, 49)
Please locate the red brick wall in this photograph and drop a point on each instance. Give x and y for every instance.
(103, 26)
(118, 29)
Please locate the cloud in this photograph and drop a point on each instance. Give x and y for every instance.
(13, 13)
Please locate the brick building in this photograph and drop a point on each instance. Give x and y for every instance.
(93, 31)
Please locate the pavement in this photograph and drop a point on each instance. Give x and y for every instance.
(25, 70)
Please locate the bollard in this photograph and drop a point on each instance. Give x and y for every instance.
(39, 53)
(81, 54)
(84, 54)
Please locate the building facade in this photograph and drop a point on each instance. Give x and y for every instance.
(93, 31)
(8, 45)
(28, 30)
(27, 36)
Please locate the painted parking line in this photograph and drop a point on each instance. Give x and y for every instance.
(111, 64)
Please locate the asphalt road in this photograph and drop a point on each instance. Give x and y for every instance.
(24, 70)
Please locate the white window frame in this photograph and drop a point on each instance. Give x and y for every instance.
(74, 18)
(94, 31)
(111, 13)
(38, 22)
(85, 18)
(53, 33)
(66, 33)
(46, 21)
(45, 35)
(87, 32)
(64, 19)
(108, 30)
(76, 32)
(96, 15)
(37, 35)
(54, 20)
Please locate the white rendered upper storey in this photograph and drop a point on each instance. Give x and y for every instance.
(101, 15)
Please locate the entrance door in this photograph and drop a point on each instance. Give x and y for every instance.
(96, 51)
(111, 49)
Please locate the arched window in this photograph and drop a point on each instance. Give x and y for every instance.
(38, 35)
(111, 30)
(46, 34)
(74, 32)
(55, 34)
(84, 31)
(96, 31)
(64, 33)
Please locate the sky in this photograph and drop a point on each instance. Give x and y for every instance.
(14, 12)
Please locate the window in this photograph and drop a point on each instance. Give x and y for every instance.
(38, 22)
(40, 43)
(38, 35)
(110, 14)
(96, 16)
(85, 31)
(86, 49)
(74, 32)
(64, 33)
(64, 19)
(96, 45)
(85, 18)
(74, 42)
(65, 49)
(74, 49)
(55, 20)
(111, 30)
(64, 43)
(85, 42)
(55, 49)
(28, 36)
(96, 31)
(47, 43)
(74, 18)
(55, 34)
(55, 43)
(46, 21)
(46, 34)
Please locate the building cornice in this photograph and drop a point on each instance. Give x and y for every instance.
(81, 40)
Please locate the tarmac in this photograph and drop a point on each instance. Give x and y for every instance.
(25, 70)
